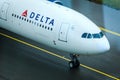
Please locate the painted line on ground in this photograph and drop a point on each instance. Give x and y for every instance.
(59, 56)
(109, 31)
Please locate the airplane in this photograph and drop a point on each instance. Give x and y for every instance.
(55, 26)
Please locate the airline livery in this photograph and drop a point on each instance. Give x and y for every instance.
(53, 25)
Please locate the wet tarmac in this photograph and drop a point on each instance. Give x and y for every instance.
(19, 61)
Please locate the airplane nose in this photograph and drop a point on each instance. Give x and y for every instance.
(105, 46)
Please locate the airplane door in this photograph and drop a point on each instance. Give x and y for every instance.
(63, 33)
(3, 11)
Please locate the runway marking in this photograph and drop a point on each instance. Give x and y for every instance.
(109, 31)
(59, 56)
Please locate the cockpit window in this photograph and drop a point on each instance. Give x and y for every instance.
(94, 36)
(101, 34)
(84, 35)
(89, 36)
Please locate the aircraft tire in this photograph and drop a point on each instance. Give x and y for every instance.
(77, 64)
(71, 64)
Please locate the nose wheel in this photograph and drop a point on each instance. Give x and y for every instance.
(74, 63)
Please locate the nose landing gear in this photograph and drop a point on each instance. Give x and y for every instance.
(74, 63)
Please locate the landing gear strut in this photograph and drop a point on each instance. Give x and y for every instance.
(74, 63)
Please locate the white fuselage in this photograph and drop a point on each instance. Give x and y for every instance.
(53, 25)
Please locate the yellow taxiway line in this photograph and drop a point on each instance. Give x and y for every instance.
(59, 56)
(109, 31)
